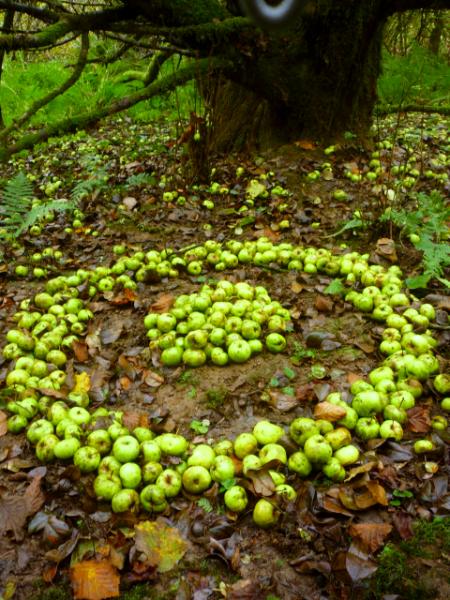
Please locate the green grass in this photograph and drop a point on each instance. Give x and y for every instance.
(25, 82)
(418, 77)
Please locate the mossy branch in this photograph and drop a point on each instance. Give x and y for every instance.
(87, 119)
(36, 106)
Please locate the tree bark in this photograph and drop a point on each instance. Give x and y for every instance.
(316, 82)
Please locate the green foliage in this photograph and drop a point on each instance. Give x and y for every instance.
(300, 353)
(430, 222)
(199, 426)
(418, 77)
(335, 287)
(140, 179)
(17, 212)
(205, 504)
(216, 397)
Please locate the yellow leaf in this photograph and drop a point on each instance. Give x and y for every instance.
(94, 580)
(162, 545)
(82, 382)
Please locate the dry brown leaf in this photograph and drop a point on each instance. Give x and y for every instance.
(163, 303)
(378, 492)
(262, 482)
(125, 383)
(329, 412)
(370, 535)
(81, 351)
(152, 379)
(125, 296)
(132, 419)
(305, 144)
(355, 471)
(14, 510)
(323, 304)
(386, 248)
(94, 580)
(3, 422)
(419, 419)
(333, 505)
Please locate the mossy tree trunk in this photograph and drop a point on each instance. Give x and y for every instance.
(317, 82)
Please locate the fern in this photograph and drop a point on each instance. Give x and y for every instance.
(87, 186)
(16, 211)
(140, 179)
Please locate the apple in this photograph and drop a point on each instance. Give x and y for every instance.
(170, 482)
(106, 486)
(428, 311)
(172, 444)
(87, 459)
(271, 452)
(153, 499)
(395, 413)
(266, 432)
(45, 448)
(391, 429)
(286, 491)
(300, 464)
(245, 443)
(100, 440)
(151, 451)
(347, 454)
(117, 430)
(143, 434)
(381, 374)
(125, 500)
(439, 423)
(367, 403)
(38, 430)
(367, 428)
(66, 448)
(317, 449)
(251, 462)
(222, 469)
(130, 474)
(350, 419)
(219, 357)
(150, 471)
(17, 423)
(196, 479)
(223, 448)
(166, 322)
(442, 383)
(339, 437)
(126, 448)
(109, 465)
(360, 386)
(275, 342)
(197, 338)
(193, 357)
(324, 426)
(402, 399)
(239, 351)
(265, 514)
(423, 446)
(203, 455)
(334, 470)
(410, 385)
(445, 404)
(235, 498)
(172, 356)
(79, 415)
(301, 429)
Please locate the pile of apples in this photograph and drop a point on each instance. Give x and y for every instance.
(220, 323)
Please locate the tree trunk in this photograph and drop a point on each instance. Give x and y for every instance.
(316, 82)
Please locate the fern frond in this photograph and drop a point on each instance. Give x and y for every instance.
(15, 204)
(39, 212)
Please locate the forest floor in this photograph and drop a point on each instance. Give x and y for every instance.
(384, 532)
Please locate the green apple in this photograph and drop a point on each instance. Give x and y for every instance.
(222, 469)
(391, 429)
(79, 415)
(439, 423)
(442, 383)
(203, 455)
(265, 514)
(267, 433)
(66, 448)
(151, 451)
(239, 351)
(38, 430)
(87, 459)
(150, 471)
(106, 486)
(109, 465)
(299, 463)
(17, 423)
(339, 437)
(172, 356)
(219, 357)
(45, 448)
(223, 448)
(347, 455)
(236, 499)
(125, 500)
(126, 448)
(130, 474)
(143, 434)
(367, 428)
(153, 499)
(251, 462)
(317, 449)
(172, 444)
(402, 399)
(170, 481)
(245, 443)
(275, 342)
(423, 446)
(367, 403)
(334, 470)
(445, 404)
(271, 452)
(193, 357)
(301, 429)
(395, 413)
(196, 479)
(100, 440)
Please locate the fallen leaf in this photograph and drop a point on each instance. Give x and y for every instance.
(358, 564)
(152, 379)
(162, 545)
(163, 303)
(378, 492)
(370, 535)
(64, 550)
(94, 580)
(329, 412)
(111, 332)
(82, 382)
(281, 401)
(333, 505)
(132, 419)
(15, 510)
(125, 296)
(81, 351)
(419, 419)
(359, 470)
(323, 304)
(386, 248)
(254, 189)
(262, 482)
(3, 423)
(403, 524)
(305, 144)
